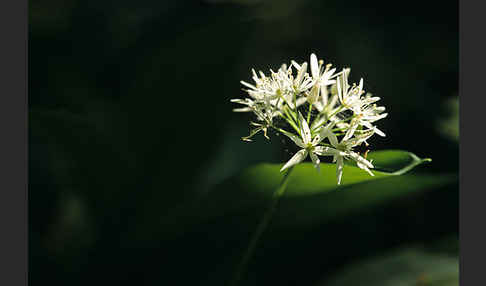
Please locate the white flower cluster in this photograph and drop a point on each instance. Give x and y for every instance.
(338, 116)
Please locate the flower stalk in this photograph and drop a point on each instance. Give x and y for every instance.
(262, 225)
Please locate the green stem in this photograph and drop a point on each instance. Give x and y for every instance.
(293, 113)
(295, 100)
(338, 129)
(290, 120)
(319, 126)
(324, 122)
(261, 228)
(336, 111)
(309, 113)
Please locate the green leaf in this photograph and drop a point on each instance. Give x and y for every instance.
(215, 230)
(396, 162)
(310, 197)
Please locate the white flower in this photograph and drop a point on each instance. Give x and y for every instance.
(320, 80)
(344, 150)
(369, 113)
(364, 114)
(343, 111)
(268, 88)
(308, 144)
(302, 81)
(349, 96)
(321, 77)
(248, 102)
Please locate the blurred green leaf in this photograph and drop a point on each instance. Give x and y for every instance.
(448, 126)
(409, 267)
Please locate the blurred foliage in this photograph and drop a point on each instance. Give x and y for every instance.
(130, 119)
(407, 267)
(449, 125)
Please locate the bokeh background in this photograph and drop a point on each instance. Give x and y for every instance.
(129, 116)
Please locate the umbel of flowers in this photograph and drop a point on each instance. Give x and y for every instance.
(319, 111)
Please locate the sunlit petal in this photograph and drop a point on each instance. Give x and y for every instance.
(296, 159)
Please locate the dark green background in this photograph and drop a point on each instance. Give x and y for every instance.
(129, 116)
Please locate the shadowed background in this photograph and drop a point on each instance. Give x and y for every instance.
(129, 116)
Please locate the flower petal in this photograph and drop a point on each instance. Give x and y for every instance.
(300, 101)
(314, 66)
(300, 74)
(379, 132)
(330, 72)
(248, 84)
(325, 151)
(296, 65)
(324, 96)
(242, 109)
(362, 166)
(296, 159)
(339, 169)
(339, 91)
(360, 159)
(315, 160)
(294, 138)
(313, 94)
(360, 87)
(304, 129)
(352, 128)
(327, 132)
